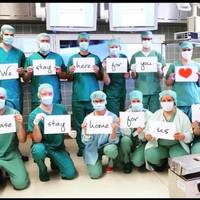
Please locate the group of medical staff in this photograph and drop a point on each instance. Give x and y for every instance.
(124, 147)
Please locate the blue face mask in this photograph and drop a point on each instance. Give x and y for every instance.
(99, 106)
(84, 46)
(115, 51)
(7, 39)
(136, 107)
(2, 103)
(47, 100)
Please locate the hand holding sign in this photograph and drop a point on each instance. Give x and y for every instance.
(18, 118)
(58, 70)
(20, 71)
(139, 130)
(149, 137)
(179, 136)
(29, 70)
(186, 74)
(39, 117)
(96, 69)
(72, 69)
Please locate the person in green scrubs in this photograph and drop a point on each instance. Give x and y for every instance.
(12, 55)
(97, 145)
(148, 82)
(132, 141)
(49, 145)
(10, 158)
(44, 53)
(157, 150)
(187, 92)
(83, 85)
(115, 83)
(195, 146)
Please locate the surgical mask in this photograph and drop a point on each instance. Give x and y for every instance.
(47, 100)
(115, 51)
(99, 106)
(2, 103)
(136, 107)
(7, 39)
(84, 46)
(187, 55)
(167, 106)
(146, 43)
(44, 46)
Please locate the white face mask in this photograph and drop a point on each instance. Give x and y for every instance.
(167, 106)
(47, 100)
(84, 46)
(2, 103)
(187, 55)
(99, 106)
(44, 46)
(115, 51)
(146, 43)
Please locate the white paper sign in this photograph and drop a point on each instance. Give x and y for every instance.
(146, 64)
(9, 71)
(186, 74)
(55, 124)
(131, 119)
(44, 67)
(7, 124)
(116, 65)
(195, 112)
(164, 130)
(83, 65)
(99, 125)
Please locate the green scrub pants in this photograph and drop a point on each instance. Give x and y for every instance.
(151, 102)
(79, 110)
(157, 155)
(59, 157)
(116, 105)
(111, 151)
(131, 151)
(16, 171)
(195, 146)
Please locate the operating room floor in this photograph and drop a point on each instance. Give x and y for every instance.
(114, 185)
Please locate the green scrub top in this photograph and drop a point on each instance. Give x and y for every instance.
(53, 141)
(84, 83)
(148, 83)
(9, 141)
(117, 86)
(13, 86)
(51, 79)
(187, 92)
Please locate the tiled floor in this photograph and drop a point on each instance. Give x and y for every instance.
(115, 185)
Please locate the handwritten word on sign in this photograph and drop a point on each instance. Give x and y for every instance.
(146, 64)
(116, 65)
(131, 119)
(9, 71)
(44, 67)
(83, 65)
(186, 74)
(55, 124)
(195, 112)
(164, 130)
(7, 124)
(99, 125)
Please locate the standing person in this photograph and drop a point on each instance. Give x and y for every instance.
(187, 92)
(132, 142)
(115, 83)
(97, 145)
(148, 82)
(10, 158)
(157, 151)
(44, 53)
(83, 85)
(49, 145)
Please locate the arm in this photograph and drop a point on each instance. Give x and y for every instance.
(170, 76)
(21, 134)
(106, 78)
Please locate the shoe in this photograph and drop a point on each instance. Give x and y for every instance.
(25, 158)
(43, 175)
(161, 168)
(2, 178)
(80, 153)
(109, 169)
(128, 167)
(53, 166)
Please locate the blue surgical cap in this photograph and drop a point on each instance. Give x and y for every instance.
(113, 42)
(186, 45)
(168, 93)
(136, 94)
(98, 95)
(45, 86)
(3, 92)
(83, 35)
(7, 27)
(146, 33)
(41, 35)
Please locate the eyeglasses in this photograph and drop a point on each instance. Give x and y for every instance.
(186, 49)
(8, 34)
(135, 101)
(98, 101)
(45, 41)
(147, 39)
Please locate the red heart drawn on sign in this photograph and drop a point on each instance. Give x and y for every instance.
(185, 72)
